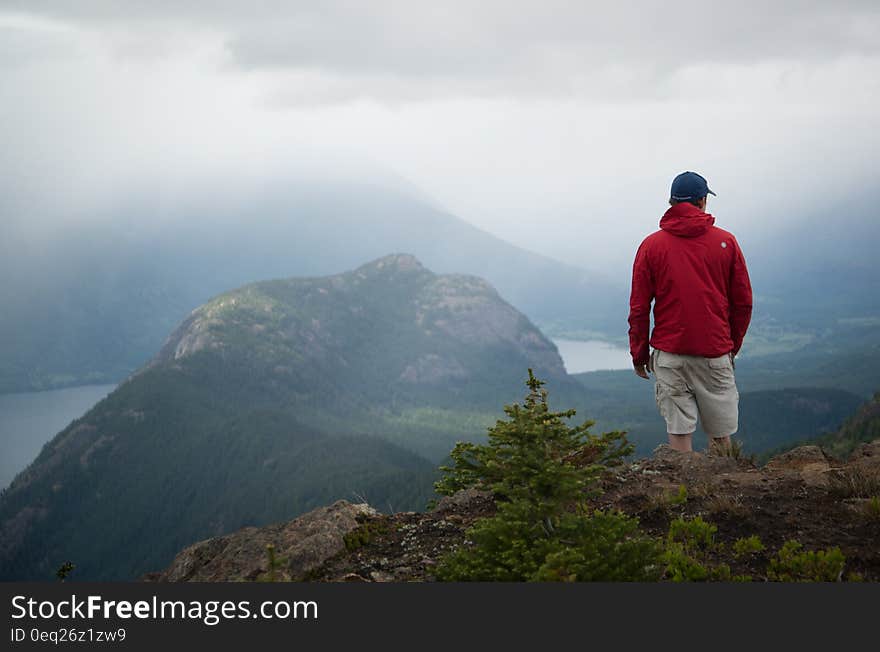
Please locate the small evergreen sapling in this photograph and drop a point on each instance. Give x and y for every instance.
(535, 455)
(64, 571)
(541, 471)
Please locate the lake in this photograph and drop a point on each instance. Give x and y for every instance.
(29, 420)
(592, 355)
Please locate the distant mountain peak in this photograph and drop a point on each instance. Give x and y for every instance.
(288, 321)
(400, 262)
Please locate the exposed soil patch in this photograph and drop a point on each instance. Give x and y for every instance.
(799, 495)
(406, 546)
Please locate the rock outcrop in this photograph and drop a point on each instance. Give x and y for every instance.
(298, 547)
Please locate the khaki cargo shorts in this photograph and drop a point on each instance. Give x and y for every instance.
(690, 386)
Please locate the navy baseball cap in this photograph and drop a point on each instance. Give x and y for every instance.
(689, 185)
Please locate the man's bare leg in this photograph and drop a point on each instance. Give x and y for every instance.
(681, 443)
(720, 445)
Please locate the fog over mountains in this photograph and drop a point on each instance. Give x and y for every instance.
(91, 301)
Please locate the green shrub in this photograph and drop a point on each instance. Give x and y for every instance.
(687, 556)
(512, 546)
(793, 564)
(747, 546)
(364, 533)
(680, 497)
(64, 571)
(694, 534)
(682, 567)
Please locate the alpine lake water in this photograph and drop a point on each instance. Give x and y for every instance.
(29, 419)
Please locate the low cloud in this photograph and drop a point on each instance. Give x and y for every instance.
(404, 50)
(511, 115)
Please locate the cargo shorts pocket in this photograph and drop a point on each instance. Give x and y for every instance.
(721, 372)
(657, 399)
(677, 405)
(660, 397)
(668, 373)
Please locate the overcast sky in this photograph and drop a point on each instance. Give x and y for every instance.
(555, 125)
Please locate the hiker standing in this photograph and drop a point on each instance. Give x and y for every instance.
(696, 276)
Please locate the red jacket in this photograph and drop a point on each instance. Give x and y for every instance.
(696, 275)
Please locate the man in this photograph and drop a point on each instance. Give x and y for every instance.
(696, 276)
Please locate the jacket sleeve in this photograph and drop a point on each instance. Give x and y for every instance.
(640, 307)
(740, 298)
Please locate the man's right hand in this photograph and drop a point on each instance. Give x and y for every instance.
(643, 370)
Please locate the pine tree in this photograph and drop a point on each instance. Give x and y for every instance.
(541, 471)
(534, 455)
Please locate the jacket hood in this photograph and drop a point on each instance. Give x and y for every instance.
(686, 220)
